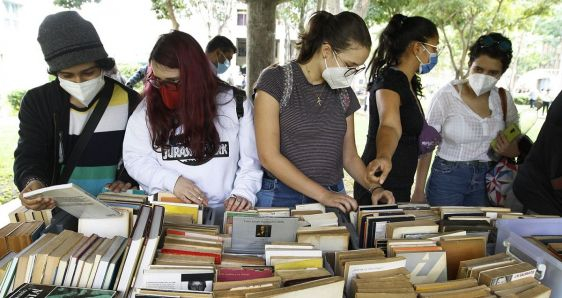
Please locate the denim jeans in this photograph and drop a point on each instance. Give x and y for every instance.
(457, 183)
(275, 193)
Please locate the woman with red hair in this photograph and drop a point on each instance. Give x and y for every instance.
(187, 136)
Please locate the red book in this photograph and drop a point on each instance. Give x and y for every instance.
(192, 253)
(244, 273)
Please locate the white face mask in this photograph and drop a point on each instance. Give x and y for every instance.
(481, 83)
(335, 76)
(84, 91)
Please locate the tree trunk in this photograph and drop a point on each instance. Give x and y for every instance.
(172, 15)
(361, 7)
(260, 45)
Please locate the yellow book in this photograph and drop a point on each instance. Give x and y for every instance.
(180, 208)
(301, 264)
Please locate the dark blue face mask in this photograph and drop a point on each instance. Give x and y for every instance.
(427, 67)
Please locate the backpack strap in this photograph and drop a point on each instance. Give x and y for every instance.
(239, 96)
(503, 99)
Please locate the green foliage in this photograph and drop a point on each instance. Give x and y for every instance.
(161, 10)
(460, 22)
(14, 99)
(73, 3)
(521, 100)
(127, 71)
(295, 12)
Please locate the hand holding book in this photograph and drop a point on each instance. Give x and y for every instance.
(37, 203)
(188, 192)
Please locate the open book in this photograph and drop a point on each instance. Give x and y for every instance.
(74, 200)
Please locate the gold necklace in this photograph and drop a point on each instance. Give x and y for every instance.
(318, 96)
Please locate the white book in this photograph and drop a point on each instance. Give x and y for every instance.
(135, 249)
(313, 206)
(93, 266)
(74, 200)
(151, 244)
(114, 261)
(116, 244)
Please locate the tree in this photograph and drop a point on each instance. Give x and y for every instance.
(213, 12)
(73, 3)
(170, 9)
(293, 14)
(164, 9)
(261, 37)
(460, 22)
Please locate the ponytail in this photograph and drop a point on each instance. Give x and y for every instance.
(337, 30)
(395, 39)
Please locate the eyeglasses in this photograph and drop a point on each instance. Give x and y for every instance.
(488, 41)
(438, 49)
(158, 83)
(351, 71)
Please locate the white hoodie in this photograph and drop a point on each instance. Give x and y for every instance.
(234, 170)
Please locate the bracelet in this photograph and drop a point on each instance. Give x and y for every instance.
(32, 179)
(374, 187)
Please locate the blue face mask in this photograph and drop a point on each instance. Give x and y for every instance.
(427, 67)
(222, 67)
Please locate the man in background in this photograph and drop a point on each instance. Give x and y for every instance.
(220, 51)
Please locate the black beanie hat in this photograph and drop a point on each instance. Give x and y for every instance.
(67, 40)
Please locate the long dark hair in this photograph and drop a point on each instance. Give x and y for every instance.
(197, 109)
(337, 30)
(395, 39)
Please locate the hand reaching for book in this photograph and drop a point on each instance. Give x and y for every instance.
(187, 191)
(237, 203)
(339, 200)
(39, 203)
(119, 186)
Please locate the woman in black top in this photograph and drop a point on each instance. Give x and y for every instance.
(407, 46)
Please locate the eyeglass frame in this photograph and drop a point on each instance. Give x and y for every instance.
(158, 83)
(438, 49)
(351, 71)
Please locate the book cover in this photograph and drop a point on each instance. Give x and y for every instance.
(74, 200)
(426, 266)
(253, 233)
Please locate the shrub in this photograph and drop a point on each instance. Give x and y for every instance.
(15, 97)
(521, 100)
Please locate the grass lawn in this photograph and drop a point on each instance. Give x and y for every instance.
(8, 141)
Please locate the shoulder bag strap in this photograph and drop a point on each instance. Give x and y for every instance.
(87, 132)
(503, 98)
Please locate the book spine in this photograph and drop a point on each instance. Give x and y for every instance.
(192, 253)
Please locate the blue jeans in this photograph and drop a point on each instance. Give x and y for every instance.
(457, 183)
(275, 193)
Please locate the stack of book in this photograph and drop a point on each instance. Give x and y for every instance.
(70, 259)
(291, 255)
(181, 213)
(454, 288)
(525, 287)
(245, 287)
(17, 236)
(325, 238)
(191, 243)
(371, 223)
(330, 287)
(385, 283)
(496, 269)
(22, 214)
(350, 263)
(552, 245)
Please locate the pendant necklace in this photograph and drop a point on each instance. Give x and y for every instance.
(317, 95)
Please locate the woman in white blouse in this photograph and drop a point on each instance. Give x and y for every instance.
(468, 114)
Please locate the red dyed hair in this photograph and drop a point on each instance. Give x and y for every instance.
(196, 109)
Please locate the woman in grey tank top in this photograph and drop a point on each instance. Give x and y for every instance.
(304, 118)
